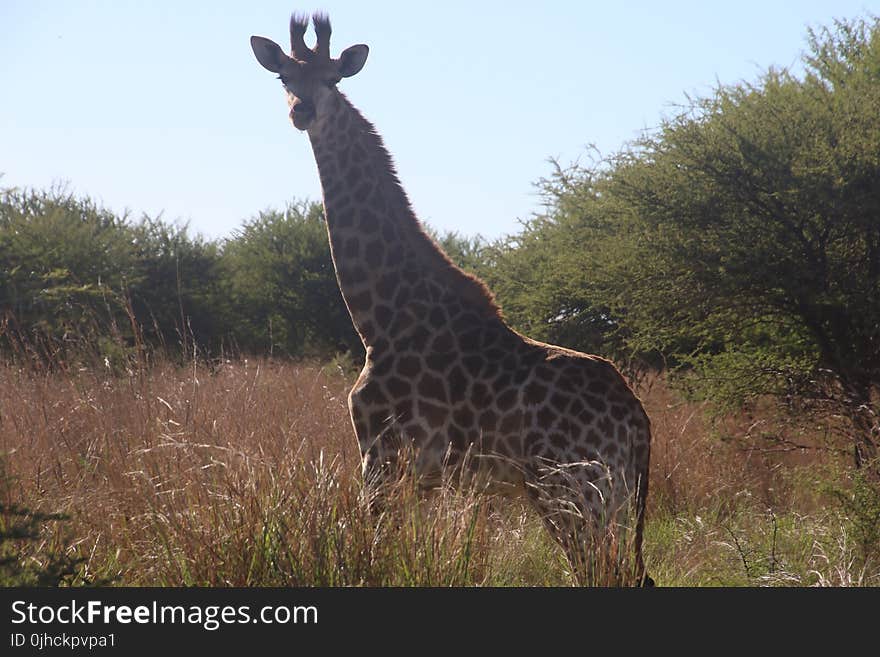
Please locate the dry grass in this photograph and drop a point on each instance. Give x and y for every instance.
(726, 509)
(247, 474)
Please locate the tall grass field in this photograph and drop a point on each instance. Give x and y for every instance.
(246, 473)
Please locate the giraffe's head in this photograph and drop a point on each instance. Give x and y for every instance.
(309, 75)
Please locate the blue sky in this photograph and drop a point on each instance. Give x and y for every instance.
(160, 106)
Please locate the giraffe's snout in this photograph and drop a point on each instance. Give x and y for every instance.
(302, 113)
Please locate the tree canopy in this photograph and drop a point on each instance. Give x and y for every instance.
(740, 239)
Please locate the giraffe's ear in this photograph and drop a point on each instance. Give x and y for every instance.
(268, 53)
(352, 60)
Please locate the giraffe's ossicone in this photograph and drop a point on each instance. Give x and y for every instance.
(444, 374)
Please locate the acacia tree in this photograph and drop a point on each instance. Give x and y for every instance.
(742, 238)
(63, 261)
(76, 278)
(757, 217)
(282, 287)
(180, 298)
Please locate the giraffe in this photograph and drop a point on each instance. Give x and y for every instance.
(443, 372)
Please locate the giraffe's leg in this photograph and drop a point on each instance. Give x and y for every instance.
(374, 455)
(581, 511)
(370, 418)
(565, 520)
(380, 467)
(385, 456)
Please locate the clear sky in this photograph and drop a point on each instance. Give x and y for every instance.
(160, 106)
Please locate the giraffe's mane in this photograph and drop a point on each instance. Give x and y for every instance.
(467, 285)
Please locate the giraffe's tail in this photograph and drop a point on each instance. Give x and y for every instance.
(641, 502)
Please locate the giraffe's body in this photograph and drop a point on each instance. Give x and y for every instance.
(443, 371)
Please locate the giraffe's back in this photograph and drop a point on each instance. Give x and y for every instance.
(506, 404)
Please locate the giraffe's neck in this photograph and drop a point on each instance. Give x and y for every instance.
(389, 270)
